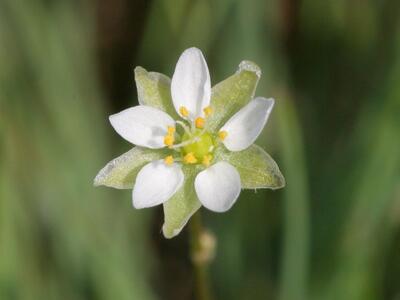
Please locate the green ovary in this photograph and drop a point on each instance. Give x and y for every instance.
(200, 148)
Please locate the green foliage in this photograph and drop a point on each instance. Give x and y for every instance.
(60, 238)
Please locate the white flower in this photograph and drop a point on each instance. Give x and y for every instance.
(189, 139)
(193, 142)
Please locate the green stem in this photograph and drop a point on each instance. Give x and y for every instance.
(199, 258)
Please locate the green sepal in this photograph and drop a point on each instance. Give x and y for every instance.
(154, 89)
(230, 95)
(179, 209)
(256, 168)
(121, 172)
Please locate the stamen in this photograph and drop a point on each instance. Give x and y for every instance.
(171, 130)
(190, 158)
(184, 126)
(202, 131)
(222, 135)
(207, 160)
(207, 111)
(183, 111)
(169, 140)
(199, 122)
(169, 160)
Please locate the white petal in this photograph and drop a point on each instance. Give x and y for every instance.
(156, 183)
(142, 125)
(244, 127)
(191, 86)
(218, 186)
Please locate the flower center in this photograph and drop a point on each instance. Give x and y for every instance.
(197, 144)
(200, 150)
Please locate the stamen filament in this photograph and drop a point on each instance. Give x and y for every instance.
(185, 143)
(202, 131)
(184, 126)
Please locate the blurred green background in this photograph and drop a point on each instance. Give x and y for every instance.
(333, 67)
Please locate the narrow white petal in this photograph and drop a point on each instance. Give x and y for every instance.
(218, 186)
(142, 125)
(244, 127)
(191, 86)
(156, 183)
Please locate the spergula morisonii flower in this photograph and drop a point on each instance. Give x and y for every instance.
(194, 144)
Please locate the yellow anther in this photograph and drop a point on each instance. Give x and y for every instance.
(171, 130)
(222, 135)
(207, 160)
(199, 122)
(169, 160)
(184, 112)
(208, 111)
(190, 158)
(169, 140)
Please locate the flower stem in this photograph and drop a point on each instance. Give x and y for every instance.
(202, 247)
